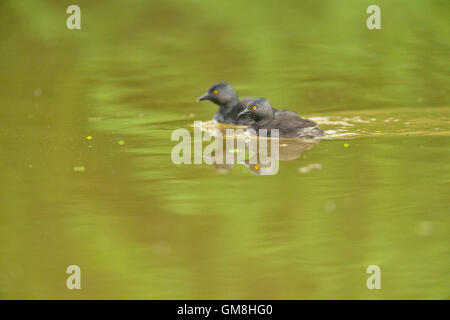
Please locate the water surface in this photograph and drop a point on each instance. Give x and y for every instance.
(86, 118)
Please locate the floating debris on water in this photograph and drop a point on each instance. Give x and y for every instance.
(79, 169)
(93, 119)
(346, 145)
(330, 206)
(162, 248)
(121, 142)
(37, 92)
(89, 137)
(425, 228)
(310, 167)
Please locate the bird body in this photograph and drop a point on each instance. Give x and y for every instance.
(288, 123)
(289, 127)
(223, 94)
(228, 113)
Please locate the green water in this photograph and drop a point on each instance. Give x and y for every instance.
(140, 226)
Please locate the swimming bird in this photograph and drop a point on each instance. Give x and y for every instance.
(223, 94)
(289, 124)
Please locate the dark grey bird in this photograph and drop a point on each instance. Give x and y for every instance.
(223, 94)
(289, 124)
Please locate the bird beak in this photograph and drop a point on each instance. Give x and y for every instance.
(244, 113)
(206, 96)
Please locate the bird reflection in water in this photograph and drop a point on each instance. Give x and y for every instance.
(260, 155)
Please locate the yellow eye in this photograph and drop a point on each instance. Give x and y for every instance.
(215, 92)
(254, 107)
(256, 167)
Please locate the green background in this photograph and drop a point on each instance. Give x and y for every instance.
(142, 227)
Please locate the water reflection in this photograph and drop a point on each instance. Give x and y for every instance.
(141, 226)
(260, 155)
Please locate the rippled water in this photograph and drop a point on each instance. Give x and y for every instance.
(87, 178)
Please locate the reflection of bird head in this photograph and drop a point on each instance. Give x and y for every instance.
(263, 169)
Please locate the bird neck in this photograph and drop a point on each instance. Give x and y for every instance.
(266, 120)
(228, 106)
